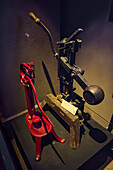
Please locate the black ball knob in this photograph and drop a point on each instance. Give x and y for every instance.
(93, 94)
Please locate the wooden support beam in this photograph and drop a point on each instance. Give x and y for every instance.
(70, 119)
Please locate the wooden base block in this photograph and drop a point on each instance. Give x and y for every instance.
(70, 119)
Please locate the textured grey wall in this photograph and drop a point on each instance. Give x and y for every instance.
(16, 48)
(96, 54)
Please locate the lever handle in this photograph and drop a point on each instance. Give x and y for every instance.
(34, 17)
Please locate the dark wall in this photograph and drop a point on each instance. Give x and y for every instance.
(24, 41)
(96, 54)
(75, 14)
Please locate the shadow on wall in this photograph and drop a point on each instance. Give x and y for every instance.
(48, 78)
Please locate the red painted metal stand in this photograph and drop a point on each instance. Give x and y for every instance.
(38, 123)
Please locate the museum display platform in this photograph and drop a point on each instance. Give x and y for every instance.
(95, 143)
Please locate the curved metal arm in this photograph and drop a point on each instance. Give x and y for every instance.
(76, 32)
(37, 20)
